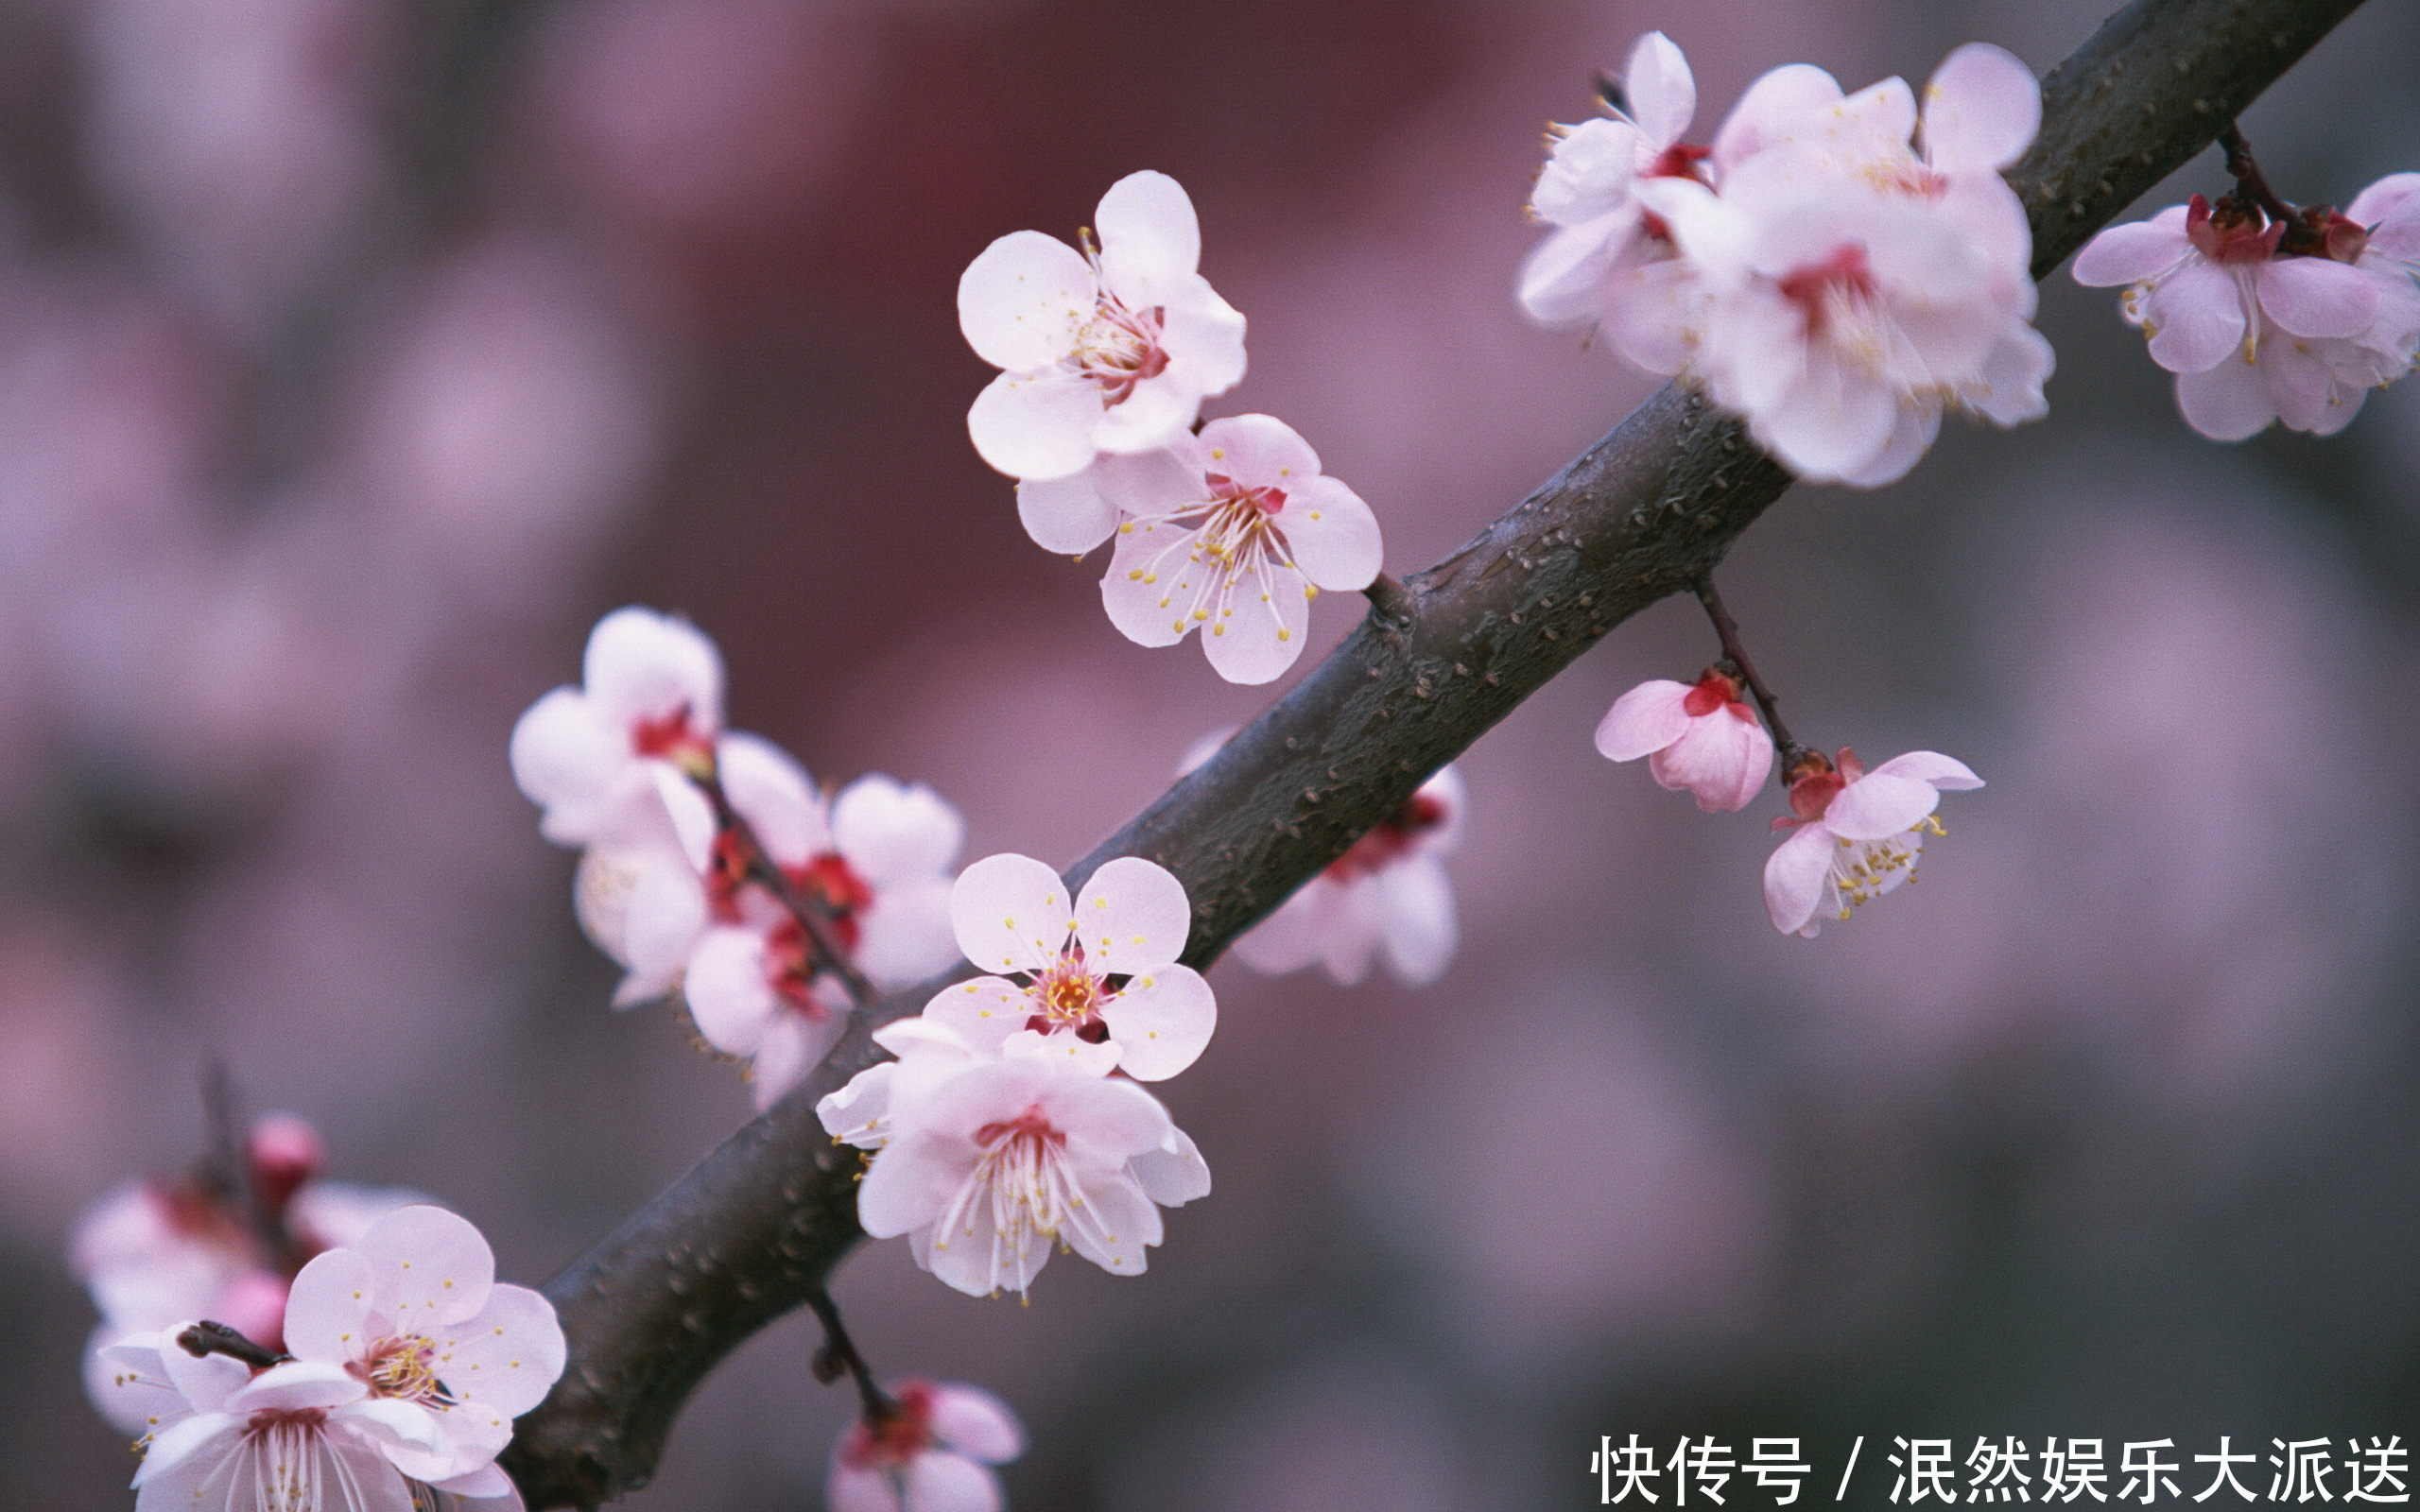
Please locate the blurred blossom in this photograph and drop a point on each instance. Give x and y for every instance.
(235, 133)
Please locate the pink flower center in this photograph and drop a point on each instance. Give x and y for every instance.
(1390, 838)
(893, 1442)
(670, 738)
(1227, 490)
(289, 1419)
(1031, 1128)
(1120, 348)
(405, 1368)
(1068, 996)
(827, 880)
(1816, 289)
(2226, 233)
(1679, 161)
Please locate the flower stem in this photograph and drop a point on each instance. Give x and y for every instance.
(839, 1357)
(2249, 181)
(1727, 630)
(231, 1172)
(205, 1339)
(811, 915)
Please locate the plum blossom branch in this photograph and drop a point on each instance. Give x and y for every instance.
(1727, 630)
(753, 1232)
(760, 869)
(205, 1339)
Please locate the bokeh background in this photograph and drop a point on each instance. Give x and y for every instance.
(355, 355)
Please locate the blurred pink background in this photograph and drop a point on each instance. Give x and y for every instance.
(354, 356)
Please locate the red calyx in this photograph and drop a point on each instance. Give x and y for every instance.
(1679, 161)
(1715, 689)
(2231, 230)
(1389, 838)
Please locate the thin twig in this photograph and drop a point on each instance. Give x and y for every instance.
(2249, 181)
(204, 1339)
(1727, 630)
(231, 1167)
(810, 913)
(839, 1356)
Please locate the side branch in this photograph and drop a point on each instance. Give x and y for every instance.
(752, 1232)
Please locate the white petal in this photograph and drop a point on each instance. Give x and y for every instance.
(1155, 482)
(1114, 1226)
(951, 1482)
(1878, 805)
(857, 1113)
(1980, 111)
(1588, 173)
(432, 1266)
(891, 833)
(904, 936)
(1010, 912)
(197, 1440)
(1259, 632)
(1257, 451)
(564, 756)
(2012, 376)
(795, 1043)
(1289, 937)
(1563, 281)
(1036, 424)
(2227, 403)
(1831, 422)
(2317, 296)
(2199, 312)
(770, 791)
(1774, 109)
(2131, 253)
(692, 817)
(1174, 1174)
(848, 1489)
(1066, 515)
(981, 1013)
(1332, 536)
(1203, 337)
(911, 1181)
(1947, 773)
(729, 991)
(1662, 94)
(665, 912)
(976, 1424)
(1062, 1050)
(1416, 901)
(1647, 718)
(1911, 436)
(1108, 1120)
(328, 1309)
(1162, 1021)
(1154, 579)
(640, 664)
(1155, 412)
(297, 1385)
(1151, 241)
(1023, 300)
(506, 1358)
(1133, 915)
(1794, 876)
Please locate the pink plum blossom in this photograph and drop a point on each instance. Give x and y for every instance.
(1012, 915)
(1586, 192)
(936, 1455)
(1234, 532)
(154, 1252)
(1010, 1154)
(1856, 834)
(2264, 320)
(606, 760)
(1840, 291)
(1386, 896)
(1110, 350)
(876, 859)
(1701, 736)
(442, 1356)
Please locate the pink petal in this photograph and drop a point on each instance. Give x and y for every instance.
(1258, 451)
(432, 1266)
(2199, 312)
(1062, 1051)
(1155, 579)
(1155, 412)
(1155, 482)
(1109, 1119)
(2227, 403)
(205, 1381)
(772, 792)
(692, 817)
(729, 995)
(297, 1385)
(976, 1424)
(1260, 631)
(196, 1442)
(1589, 171)
(892, 832)
(662, 919)
(1067, 514)
(1162, 1021)
(856, 1114)
(327, 1310)
(1722, 760)
(2391, 209)
(981, 1013)
(1980, 111)
(1203, 337)
(487, 1484)
(1773, 109)
(1794, 876)
(1947, 773)
(2317, 296)
(1150, 240)
(1417, 913)
(641, 664)
(1290, 936)
(1832, 420)
(1332, 536)
(1133, 915)
(2013, 375)
(1023, 300)
(795, 1044)
(904, 936)
(1913, 435)
(1010, 912)
(2131, 253)
(846, 1489)
(1174, 1174)
(951, 1482)
(507, 1358)
(1879, 806)
(1563, 281)
(1035, 424)
(912, 1179)
(562, 752)
(1647, 718)
(1662, 95)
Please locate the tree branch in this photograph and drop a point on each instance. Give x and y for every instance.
(751, 1232)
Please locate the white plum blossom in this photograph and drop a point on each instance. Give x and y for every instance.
(1818, 276)
(1013, 918)
(606, 759)
(935, 1455)
(876, 859)
(1856, 834)
(1232, 532)
(154, 1252)
(1701, 736)
(2264, 319)
(1587, 190)
(1006, 1156)
(1387, 896)
(1108, 349)
(442, 1355)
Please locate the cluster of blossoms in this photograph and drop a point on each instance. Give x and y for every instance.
(215, 1244)
(1855, 834)
(702, 847)
(401, 1365)
(1012, 1121)
(1106, 355)
(2265, 312)
(1811, 270)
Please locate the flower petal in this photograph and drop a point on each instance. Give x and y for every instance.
(1947, 773)
(904, 936)
(1290, 936)
(911, 1181)
(1011, 913)
(1174, 1174)
(1162, 1021)
(196, 1441)
(1150, 240)
(328, 1309)
(2317, 296)
(796, 1042)
(976, 1424)
(770, 791)
(1133, 915)
(1036, 424)
(1062, 1050)
(1647, 718)
(1154, 580)
(640, 664)
(892, 832)
(432, 1266)
(729, 990)
(1332, 536)
(564, 756)
(1023, 300)
(1257, 451)
(1830, 421)
(1774, 109)
(297, 1385)
(1066, 515)
(1980, 111)
(2227, 403)
(1259, 629)
(1203, 337)
(1794, 876)
(1877, 805)
(1662, 94)
(1113, 1224)
(982, 1012)
(2131, 253)
(1416, 907)
(507, 1358)
(2199, 315)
